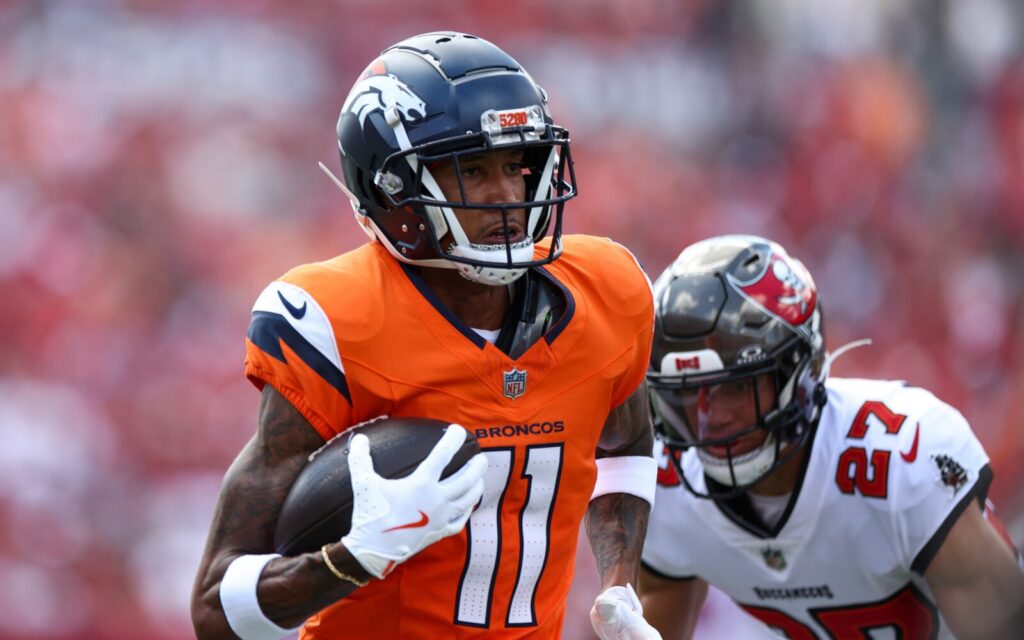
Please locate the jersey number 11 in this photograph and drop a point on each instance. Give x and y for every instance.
(541, 471)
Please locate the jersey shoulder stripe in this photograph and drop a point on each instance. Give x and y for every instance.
(977, 494)
(286, 313)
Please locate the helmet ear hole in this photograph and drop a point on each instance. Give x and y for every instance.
(371, 190)
(820, 394)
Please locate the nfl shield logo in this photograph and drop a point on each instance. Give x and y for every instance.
(515, 383)
(774, 558)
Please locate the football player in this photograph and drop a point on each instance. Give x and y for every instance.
(468, 305)
(825, 507)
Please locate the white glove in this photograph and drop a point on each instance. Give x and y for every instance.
(617, 615)
(392, 520)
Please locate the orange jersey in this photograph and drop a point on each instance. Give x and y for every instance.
(360, 336)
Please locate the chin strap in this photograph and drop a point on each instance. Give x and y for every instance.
(832, 356)
(357, 210)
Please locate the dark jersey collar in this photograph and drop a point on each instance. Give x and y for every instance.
(541, 307)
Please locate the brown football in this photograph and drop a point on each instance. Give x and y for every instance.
(318, 508)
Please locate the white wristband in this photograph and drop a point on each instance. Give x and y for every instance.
(239, 601)
(635, 475)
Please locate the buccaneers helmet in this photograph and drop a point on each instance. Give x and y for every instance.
(736, 317)
(442, 97)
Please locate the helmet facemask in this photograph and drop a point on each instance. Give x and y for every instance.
(773, 428)
(545, 160)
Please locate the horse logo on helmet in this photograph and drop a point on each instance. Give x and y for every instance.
(383, 93)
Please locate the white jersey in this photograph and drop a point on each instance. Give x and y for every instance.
(890, 470)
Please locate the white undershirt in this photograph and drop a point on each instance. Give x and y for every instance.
(490, 335)
(770, 508)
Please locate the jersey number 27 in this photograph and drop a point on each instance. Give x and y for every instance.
(856, 471)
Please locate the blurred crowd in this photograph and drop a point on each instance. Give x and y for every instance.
(158, 168)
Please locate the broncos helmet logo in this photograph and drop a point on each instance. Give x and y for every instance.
(380, 93)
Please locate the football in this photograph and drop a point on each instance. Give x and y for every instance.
(318, 508)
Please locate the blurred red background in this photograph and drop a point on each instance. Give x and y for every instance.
(158, 168)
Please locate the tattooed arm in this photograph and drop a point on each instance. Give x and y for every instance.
(290, 589)
(617, 522)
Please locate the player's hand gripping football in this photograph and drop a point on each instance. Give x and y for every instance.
(618, 615)
(392, 520)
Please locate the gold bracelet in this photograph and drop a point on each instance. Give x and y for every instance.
(341, 576)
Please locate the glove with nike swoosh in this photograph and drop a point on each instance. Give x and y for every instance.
(618, 615)
(392, 520)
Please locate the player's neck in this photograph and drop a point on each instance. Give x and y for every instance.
(480, 306)
(784, 479)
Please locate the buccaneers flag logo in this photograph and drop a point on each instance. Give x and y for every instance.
(783, 289)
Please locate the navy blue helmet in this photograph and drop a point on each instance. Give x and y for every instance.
(442, 97)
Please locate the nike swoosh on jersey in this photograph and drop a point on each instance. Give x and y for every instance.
(911, 455)
(269, 331)
(422, 522)
(297, 312)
